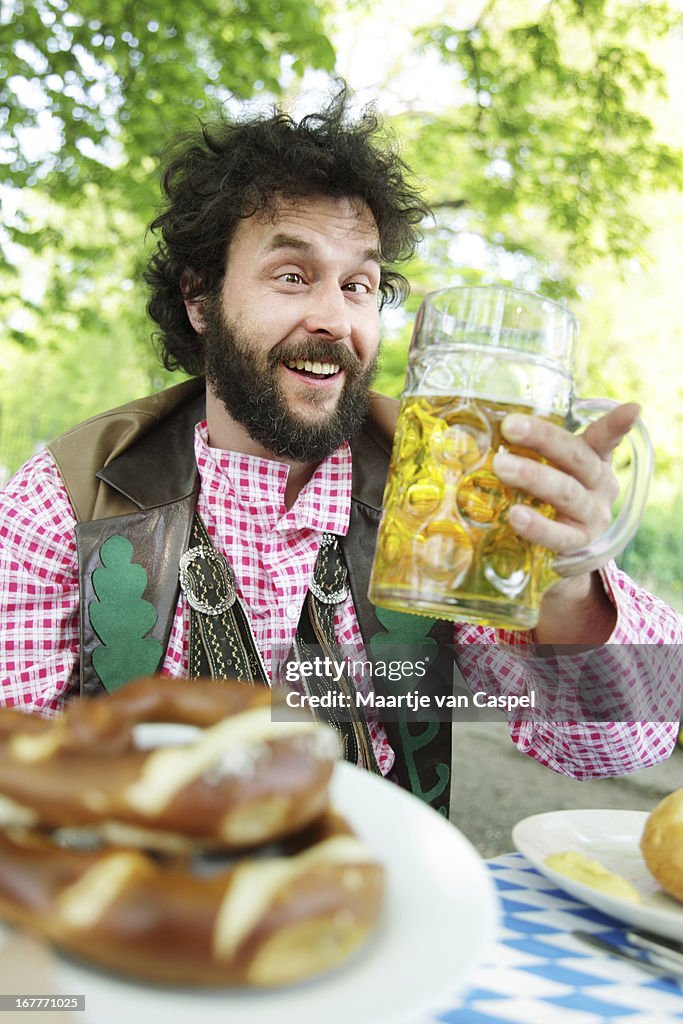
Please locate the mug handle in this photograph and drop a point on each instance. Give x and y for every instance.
(622, 529)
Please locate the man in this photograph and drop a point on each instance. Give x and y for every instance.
(279, 243)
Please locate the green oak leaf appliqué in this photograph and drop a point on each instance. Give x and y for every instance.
(407, 635)
(403, 630)
(121, 617)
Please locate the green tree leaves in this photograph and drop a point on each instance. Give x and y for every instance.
(114, 81)
(548, 140)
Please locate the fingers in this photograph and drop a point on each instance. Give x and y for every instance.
(577, 480)
(570, 498)
(582, 456)
(560, 537)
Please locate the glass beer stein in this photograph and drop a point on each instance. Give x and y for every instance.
(444, 546)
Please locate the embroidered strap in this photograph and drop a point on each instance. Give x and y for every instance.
(329, 587)
(222, 644)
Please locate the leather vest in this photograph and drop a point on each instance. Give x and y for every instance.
(131, 472)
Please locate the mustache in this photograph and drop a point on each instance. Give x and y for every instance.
(315, 350)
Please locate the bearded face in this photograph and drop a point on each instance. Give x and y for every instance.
(290, 337)
(247, 379)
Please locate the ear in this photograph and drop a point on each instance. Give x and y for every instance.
(194, 304)
(195, 314)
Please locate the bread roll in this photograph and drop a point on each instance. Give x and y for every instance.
(662, 843)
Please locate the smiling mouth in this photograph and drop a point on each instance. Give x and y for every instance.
(309, 368)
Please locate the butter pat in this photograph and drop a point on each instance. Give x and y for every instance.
(589, 872)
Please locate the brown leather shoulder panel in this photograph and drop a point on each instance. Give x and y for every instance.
(381, 421)
(85, 449)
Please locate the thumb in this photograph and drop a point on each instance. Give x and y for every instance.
(605, 433)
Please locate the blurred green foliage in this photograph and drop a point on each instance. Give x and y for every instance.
(655, 555)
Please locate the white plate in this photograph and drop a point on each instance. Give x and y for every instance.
(438, 921)
(612, 838)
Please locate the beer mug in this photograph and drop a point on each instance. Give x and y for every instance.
(444, 546)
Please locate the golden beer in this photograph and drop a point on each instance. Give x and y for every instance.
(444, 546)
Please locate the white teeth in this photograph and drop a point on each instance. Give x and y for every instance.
(321, 368)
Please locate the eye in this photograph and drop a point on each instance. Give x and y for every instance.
(356, 287)
(292, 277)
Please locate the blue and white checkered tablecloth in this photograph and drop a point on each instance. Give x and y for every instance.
(538, 973)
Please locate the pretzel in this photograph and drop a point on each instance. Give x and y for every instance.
(259, 922)
(110, 851)
(245, 779)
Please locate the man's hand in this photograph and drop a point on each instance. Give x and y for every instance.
(581, 486)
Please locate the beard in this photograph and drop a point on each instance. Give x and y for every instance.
(246, 380)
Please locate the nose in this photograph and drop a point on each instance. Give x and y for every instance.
(327, 313)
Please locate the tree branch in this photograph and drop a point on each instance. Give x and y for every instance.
(449, 204)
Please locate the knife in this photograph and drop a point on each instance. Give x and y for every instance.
(657, 964)
(666, 948)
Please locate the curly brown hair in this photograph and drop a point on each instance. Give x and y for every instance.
(235, 169)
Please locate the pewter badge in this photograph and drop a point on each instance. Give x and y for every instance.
(206, 580)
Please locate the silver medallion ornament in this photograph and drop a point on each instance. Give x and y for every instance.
(328, 591)
(206, 580)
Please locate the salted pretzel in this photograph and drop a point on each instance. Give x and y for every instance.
(118, 854)
(260, 921)
(243, 780)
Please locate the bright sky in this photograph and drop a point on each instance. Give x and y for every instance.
(374, 53)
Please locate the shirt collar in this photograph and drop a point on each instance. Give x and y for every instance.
(258, 486)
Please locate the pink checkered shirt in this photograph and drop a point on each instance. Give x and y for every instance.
(272, 552)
